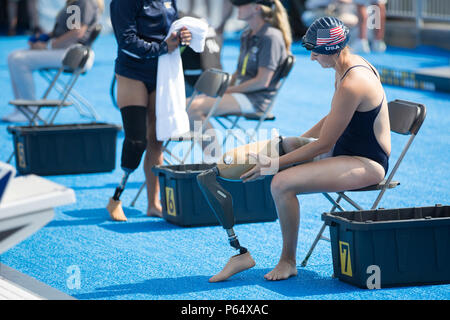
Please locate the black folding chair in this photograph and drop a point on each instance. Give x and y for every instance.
(213, 83)
(405, 118)
(73, 62)
(231, 121)
(82, 105)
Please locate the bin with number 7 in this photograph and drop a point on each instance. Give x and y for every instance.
(407, 246)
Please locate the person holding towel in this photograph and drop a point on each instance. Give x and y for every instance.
(141, 30)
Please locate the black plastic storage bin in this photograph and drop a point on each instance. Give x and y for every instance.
(184, 204)
(409, 246)
(65, 149)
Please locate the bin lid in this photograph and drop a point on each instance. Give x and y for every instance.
(389, 218)
(182, 171)
(63, 127)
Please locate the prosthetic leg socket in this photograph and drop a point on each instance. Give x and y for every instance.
(135, 127)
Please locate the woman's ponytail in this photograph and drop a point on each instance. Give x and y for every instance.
(278, 18)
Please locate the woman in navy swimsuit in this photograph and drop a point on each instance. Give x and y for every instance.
(140, 27)
(348, 149)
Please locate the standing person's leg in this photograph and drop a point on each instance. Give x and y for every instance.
(207, 4)
(153, 156)
(191, 5)
(362, 16)
(378, 44)
(33, 14)
(326, 175)
(12, 16)
(361, 44)
(132, 100)
(227, 11)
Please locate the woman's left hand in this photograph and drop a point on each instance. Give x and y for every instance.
(264, 166)
(38, 45)
(185, 36)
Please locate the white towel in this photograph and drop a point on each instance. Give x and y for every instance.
(171, 116)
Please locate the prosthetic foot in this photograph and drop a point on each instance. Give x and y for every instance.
(236, 264)
(134, 122)
(234, 163)
(114, 206)
(221, 203)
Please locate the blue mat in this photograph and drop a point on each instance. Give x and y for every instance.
(148, 258)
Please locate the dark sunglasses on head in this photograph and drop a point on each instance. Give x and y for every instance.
(308, 45)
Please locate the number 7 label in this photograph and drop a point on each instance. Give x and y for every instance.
(346, 262)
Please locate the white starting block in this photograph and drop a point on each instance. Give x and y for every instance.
(26, 205)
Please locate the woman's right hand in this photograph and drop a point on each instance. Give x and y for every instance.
(172, 42)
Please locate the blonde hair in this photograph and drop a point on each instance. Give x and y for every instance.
(278, 18)
(100, 5)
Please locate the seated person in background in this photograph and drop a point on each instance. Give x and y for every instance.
(264, 47)
(348, 149)
(47, 51)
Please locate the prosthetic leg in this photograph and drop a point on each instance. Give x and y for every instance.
(134, 120)
(233, 165)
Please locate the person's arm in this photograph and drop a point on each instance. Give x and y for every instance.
(343, 106)
(314, 132)
(123, 15)
(261, 81)
(68, 38)
(233, 78)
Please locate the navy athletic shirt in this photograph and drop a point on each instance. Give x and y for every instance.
(140, 26)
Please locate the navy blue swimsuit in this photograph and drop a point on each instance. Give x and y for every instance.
(140, 27)
(358, 139)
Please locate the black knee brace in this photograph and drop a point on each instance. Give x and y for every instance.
(134, 120)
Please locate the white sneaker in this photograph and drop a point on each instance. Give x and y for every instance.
(361, 45)
(15, 116)
(378, 46)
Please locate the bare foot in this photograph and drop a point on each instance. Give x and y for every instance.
(236, 264)
(282, 271)
(155, 211)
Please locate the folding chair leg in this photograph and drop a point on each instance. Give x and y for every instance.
(137, 194)
(133, 202)
(10, 157)
(320, 236)
(313, 246)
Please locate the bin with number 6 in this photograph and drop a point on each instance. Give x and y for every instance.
(184, 204)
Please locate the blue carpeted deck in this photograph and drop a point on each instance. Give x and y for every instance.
(148, 258)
